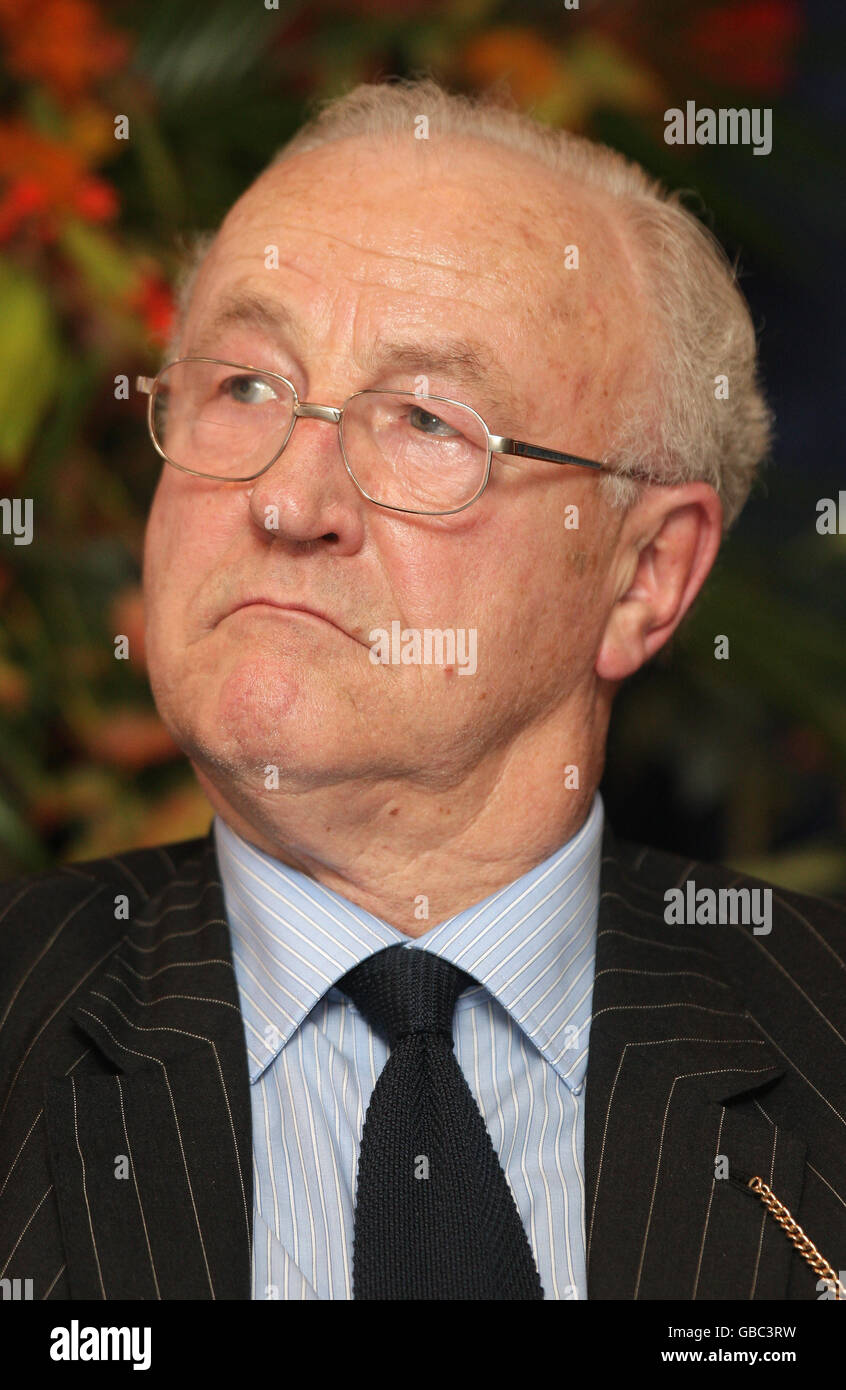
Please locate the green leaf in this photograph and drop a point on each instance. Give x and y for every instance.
(18, 841)
(108, 270)
(29, 359)
(813, 868)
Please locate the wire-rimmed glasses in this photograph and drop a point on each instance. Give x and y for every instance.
(421, 454)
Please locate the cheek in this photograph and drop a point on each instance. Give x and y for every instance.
(538, 587)
(186, 533)
(157, 547)
(494, 571)
(179, 551)
(157, 542)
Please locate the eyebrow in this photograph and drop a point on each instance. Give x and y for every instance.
(245, 310)
(469, 363)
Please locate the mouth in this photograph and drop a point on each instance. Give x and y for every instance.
(301, 609)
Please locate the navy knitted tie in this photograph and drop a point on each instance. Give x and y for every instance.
(434, 1217)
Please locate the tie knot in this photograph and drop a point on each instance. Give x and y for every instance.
(402, 991)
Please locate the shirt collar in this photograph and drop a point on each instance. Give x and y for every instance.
(531, 944)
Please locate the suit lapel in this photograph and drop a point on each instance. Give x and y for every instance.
(151, 1153)
(674, 1069)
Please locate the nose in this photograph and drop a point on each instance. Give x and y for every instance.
(307, 495)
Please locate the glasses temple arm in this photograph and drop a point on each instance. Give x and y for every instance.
(502, 445)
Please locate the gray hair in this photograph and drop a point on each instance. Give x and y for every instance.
(701, 326)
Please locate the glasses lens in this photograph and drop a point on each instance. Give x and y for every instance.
(414, 452)
(220, 419)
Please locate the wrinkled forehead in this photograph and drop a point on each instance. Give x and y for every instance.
(486, 224)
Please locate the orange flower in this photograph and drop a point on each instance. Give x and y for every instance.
(24, 152)
(529, 65)
(153, 301)
(62, 43)
(127, 738)
(44, 181)
(23, 200)
(96, 200)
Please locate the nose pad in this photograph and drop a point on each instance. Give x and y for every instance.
(307, 410)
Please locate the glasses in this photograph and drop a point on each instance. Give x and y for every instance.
(425, 455)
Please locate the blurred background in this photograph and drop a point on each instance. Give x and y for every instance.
(741, 760)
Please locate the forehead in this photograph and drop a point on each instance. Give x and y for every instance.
(450, 218)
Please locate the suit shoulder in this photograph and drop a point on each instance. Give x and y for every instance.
(36, 908)
(797, 930)
(657, 870)
(150, 868)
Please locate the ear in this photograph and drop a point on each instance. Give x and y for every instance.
(666, 547)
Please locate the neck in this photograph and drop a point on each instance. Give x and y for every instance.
(414, 856)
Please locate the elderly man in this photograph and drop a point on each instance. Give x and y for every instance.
(446, 463)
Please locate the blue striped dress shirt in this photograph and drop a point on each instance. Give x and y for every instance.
(521, 1040)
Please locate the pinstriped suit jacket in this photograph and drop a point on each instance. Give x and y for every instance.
(125, 1134)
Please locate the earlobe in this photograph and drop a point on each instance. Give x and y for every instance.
(623, 650)
(684, 526)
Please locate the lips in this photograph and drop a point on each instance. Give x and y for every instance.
(291, 608)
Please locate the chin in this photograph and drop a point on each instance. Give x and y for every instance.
(261, 713)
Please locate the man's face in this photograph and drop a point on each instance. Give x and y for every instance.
(380, 245)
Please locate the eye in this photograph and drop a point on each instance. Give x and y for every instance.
(428, 423)
(248, 390)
